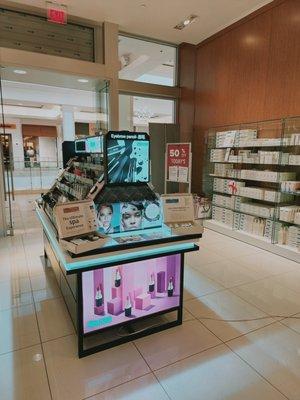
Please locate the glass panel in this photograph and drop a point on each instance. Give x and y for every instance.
(135, 112)
(146, 61)
(44, 109)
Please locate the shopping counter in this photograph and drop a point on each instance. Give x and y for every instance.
(129, 288)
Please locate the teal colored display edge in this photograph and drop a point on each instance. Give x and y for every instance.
(112, 258)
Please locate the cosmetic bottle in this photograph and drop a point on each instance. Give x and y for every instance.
(170, 287)
(98, 297)
(117, 278)
(151, 284)
(128, 307)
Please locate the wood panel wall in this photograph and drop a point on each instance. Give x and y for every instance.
(248, 72)
(39, 130)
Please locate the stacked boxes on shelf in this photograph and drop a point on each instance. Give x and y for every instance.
(290, 186)
(267, 176)
(290, 214)
(258, 210)
(224, 201)
(227, 185)
(289, 236)
(225, 216)
(294, 159)
(217, 155)
(221, 169)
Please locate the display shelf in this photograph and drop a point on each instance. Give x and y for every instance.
(288, 223)
(243, 212)
(253, 198)
(270, 151)
(260, 242)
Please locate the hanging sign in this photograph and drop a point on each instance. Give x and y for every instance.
(56, 13)
(178, 162)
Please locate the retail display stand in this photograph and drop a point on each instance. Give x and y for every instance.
(131, 285)
(252, 174)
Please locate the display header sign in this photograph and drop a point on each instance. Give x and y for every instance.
(127, 157)
(56, 13)
(178, 162)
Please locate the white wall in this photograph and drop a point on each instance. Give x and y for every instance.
(47, 151)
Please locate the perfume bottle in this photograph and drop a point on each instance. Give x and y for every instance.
(128, 307)
(170, 287)
(151, 284)
(98, 297)
(117, 278)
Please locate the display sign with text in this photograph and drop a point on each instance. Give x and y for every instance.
(178, 162)
(56, 13)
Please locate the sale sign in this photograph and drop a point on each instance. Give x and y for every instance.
(178, 161)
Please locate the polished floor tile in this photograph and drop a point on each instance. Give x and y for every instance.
(144, 388)
(23, 375)
(293, 322)
(53, 319)
(266, 264)
(215, 374)
(225, 305)
(269, 296)
(196, 284)
(73, 378)
(274, 352)
(228, 273)
(174, 344)
(200, 257)
(10, 296)
(18, 328)
(291, 280)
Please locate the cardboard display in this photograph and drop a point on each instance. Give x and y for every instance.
(77, 226)
(179, 214)
(83, 243)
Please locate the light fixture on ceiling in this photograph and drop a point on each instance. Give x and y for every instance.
(81, 80)
(186, 22)
(20, 71)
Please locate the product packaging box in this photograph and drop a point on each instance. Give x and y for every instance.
(179, 214)
(77, 226)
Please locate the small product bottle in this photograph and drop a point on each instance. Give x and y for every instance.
(118, 278)
(170, 287)
(128, 307)
(151, 284)
(98, 297)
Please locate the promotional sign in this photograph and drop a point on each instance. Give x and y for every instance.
(178, 162)
(128, 155)
(75, 218)
(122, 293)
(56, 13)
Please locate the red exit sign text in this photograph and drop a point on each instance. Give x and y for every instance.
(57, 15)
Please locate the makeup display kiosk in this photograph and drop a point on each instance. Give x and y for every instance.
(119, 266)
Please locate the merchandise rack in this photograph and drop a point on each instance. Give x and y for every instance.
(272, 147)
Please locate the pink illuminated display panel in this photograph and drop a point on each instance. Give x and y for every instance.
(123, 293)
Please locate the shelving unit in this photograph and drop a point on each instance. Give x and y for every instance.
(259, 205)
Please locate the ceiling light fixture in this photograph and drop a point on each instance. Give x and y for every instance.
(81, 80)
(186, 22)
(20, 71)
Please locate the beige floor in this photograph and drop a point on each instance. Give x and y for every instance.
(253, 354)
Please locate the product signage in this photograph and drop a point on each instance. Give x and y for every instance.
(56, 13)
(128, 156)
(178, 161)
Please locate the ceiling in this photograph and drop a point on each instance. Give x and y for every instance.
(157, 18)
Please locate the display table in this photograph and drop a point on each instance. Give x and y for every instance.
(129, 288)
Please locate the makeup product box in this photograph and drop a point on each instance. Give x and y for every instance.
(77, 226)
(179, 214)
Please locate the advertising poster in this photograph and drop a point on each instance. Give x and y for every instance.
(127, 157)
(129, 216)
(123, 293)
(178, 161)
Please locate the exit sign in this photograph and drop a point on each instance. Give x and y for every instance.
(56, 13)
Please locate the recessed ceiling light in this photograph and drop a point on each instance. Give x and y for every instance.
(20, 71)
(20, 104)
(81, 80)
(186, 22)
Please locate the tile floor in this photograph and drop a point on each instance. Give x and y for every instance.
(240, 338)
